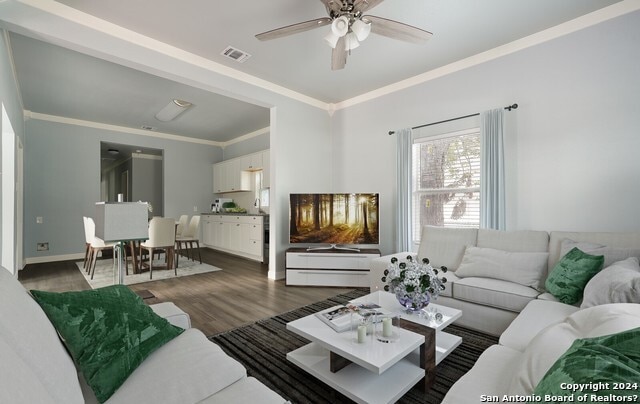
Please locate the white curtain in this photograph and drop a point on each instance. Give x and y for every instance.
(403, 171)
(492, 192)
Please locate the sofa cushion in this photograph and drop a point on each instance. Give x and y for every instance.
(109, 332)
(553, 341)
(37, 350)
(172, 313)
(20, 384)
(617, 240)
(524, 268)
(486, 377)
(536, 316)
(451, 278)
(161, 377)
(445, 246)
(611, 254)
(611, 360)
(519, 240)
(494, 292)
(571, 274)
(248, 390)
(619, 283)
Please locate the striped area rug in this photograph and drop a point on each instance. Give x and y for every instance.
(262, 347)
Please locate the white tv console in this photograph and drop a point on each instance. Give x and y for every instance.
(331, 267)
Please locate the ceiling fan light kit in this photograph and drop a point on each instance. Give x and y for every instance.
(349, 27)
(361, 29)
(340, 26)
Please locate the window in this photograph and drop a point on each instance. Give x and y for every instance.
(446, 180)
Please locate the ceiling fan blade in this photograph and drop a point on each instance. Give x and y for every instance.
(332, 5)
(293, 29)
(364, 5)
(339, 55)
(397, 30)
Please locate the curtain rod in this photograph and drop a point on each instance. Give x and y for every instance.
(508, 108)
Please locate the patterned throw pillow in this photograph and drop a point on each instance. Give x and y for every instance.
(108, 331)
(603, 366)
(570, 275)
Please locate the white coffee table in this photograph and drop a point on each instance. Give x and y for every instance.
(375, 371)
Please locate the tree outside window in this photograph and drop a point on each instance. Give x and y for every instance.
(446, 181)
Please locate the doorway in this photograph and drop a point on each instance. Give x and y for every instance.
(132, 173)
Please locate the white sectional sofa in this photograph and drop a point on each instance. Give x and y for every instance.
(36, 367)
(531, 345)
(499, 278)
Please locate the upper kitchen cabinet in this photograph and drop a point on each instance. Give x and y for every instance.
(228, 176)
(251, 162)
(234, 175)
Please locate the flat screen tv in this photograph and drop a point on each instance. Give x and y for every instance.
(334, 220)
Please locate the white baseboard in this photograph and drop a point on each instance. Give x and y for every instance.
(54, 258)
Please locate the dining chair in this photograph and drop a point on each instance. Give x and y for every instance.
(87, 239)
(190, 236)
(182, 225)
(97, 244)
(162, 237)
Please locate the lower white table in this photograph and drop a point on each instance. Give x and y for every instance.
(375, 371)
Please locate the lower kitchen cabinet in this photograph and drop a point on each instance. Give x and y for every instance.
(241, 235)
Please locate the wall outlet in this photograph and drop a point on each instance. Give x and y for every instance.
(39, 219)
(42, 246)
(195, 208)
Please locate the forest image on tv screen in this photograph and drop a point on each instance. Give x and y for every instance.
(333, 218)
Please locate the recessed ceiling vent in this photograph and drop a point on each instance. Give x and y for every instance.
(235, 54)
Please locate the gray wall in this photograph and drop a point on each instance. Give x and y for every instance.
(147, 182)
(62, 181)
(572, 147)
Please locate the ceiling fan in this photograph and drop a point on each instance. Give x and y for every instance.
(349, 27)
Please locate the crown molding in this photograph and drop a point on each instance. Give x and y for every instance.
(59, 11)
(248, 136)
(116, 128)
(123, 129)
(585, 21)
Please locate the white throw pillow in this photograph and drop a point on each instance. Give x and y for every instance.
(611, 254)
(524, 268)
(618, 283)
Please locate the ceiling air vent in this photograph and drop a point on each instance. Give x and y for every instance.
(235, 54)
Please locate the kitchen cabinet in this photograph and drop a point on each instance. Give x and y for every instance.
(251, 162)
(241, 235)
(229, 177)
(234, 175)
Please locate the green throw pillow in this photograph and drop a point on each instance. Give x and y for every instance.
(604, 367)
(109, 332)
(570, 275)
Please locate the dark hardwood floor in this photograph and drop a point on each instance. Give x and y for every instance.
(217, 301)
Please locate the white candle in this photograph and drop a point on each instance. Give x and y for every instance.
(386, 327)
(362, 333)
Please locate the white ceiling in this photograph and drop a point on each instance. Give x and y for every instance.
(62, 82)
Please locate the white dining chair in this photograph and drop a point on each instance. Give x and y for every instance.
(190, 236)
(96, 245)
(162, 237)
(182, 225)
